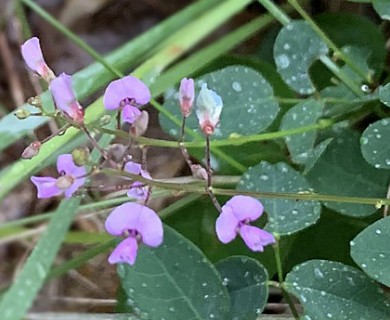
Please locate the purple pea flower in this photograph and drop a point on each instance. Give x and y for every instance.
(209, 108)
(139, 224)
(61, 89)
(138, 190)
(186, 96)
(126, 94)
(234, 219)
(70, 180)
(32, 55)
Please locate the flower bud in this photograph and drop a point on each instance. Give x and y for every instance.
(106, 119)
(32, 150)
(116, 152)
(198, 172)
(140, 125)
(81, 156)
(22, 114)
(209, 107)
(186, 96)
(64, 182)
(35, 102)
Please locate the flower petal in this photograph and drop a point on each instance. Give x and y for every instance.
(186, 96)
(255, 238)
(124, 217)
(138, 191)
(74, 187)
(61, 89)
(125, 252)
(65, 164)
(150, 227)
(32, 55)
(126, 88)
(130, 113)
(209, 106)
(226, 225)
(245, 208)
(133, 167)
(46, 187)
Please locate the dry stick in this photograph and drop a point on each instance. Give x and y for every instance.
(209, 183)
(182, 146)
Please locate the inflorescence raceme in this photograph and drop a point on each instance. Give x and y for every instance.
(134, 221)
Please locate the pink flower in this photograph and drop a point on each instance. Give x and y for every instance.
(62, 90)
(234, 219)
(126, 94)
(186, 96)
(32, 55)
(139, 224)
(138, 190)
(209, 108)
(70, 180)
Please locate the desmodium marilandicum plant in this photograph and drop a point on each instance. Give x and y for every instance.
(326, 171)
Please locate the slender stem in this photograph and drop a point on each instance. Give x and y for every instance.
(275, 11)
(94, 143)
(183, 149)
(189, 184)
(281, 280)
(209, 177)
(328, 41)
(322, 124)
(59, 132)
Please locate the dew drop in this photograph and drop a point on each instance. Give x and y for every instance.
(172, 309)
(236, 86)
(283, 61)
(377, 231)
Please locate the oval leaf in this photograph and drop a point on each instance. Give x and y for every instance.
(249, 105)
(375, 144)
(384, 94)
(174, 281)
(371, 250)
(341, 170)
(296, 47)
(382, 7)
(246, 281)
(285, 216)
(303, 114)
(332, 290)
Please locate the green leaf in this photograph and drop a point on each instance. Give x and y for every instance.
(382, 7)
(332, 290)
(315, 154)
(357, 31)
(375, 144)
(18, 299)
(296, 47)
(328, 239)
(249, 103)
(371, 250)
(174, 281)
(342, 171)
(303, 114)
(384, 94)
(285, 216)
(246, 281)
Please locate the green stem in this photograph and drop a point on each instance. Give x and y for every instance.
(328, 41)
(281, 280)
(326, 123)
(193, 185)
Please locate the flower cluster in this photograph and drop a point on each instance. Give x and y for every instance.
(134, 221)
